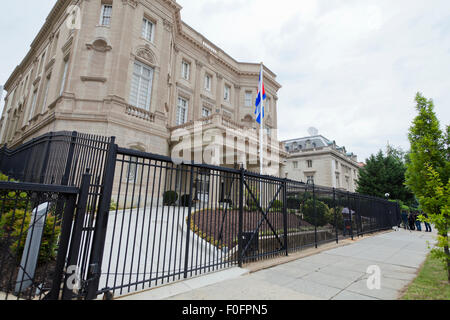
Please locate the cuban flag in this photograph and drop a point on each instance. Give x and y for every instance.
(259, 100)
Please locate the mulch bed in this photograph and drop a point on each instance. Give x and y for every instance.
(210, 222)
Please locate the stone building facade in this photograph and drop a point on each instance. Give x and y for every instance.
(134, 70)
(319, 160)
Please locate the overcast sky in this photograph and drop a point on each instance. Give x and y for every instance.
(350, 68)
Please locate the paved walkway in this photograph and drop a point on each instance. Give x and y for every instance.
(340, 273)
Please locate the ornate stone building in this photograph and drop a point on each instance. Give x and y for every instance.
(319, 160)
(134, 70)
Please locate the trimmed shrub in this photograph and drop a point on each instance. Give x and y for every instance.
(14, 227)
(322, 212)
(170, 198)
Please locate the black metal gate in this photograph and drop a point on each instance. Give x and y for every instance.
(143, 220)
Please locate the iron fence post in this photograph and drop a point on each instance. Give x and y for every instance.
(315, 215)
(335, 216)
(101, 225)
(350, 214)
(2, 155)
(46, 157)
(189, 219)
(241, 217)
(285, 219)
(77, 230)
(62, 249)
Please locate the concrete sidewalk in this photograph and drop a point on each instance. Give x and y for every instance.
(336, 274)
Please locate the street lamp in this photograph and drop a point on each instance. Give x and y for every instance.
(387, 195)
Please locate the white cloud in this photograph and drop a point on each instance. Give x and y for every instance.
(350, 68)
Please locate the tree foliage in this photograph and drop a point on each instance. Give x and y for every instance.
(385, 174)
(428, 172)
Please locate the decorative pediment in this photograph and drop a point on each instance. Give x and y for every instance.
(146, 54)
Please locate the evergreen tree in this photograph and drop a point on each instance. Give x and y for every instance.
(385, 174)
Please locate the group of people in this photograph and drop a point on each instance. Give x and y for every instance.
(411, 221)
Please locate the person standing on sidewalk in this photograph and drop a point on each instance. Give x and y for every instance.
(411, 221)
(418, 223)
(405, 219)
(427, 225)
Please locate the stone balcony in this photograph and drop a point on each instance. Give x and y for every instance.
(233, 139)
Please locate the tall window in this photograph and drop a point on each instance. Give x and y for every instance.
(185, 70)
(132, 169)
(47, 86)
(64, 76)
(208, 80)
(182, 111)
(105, 18)
(248, 99)
(147, 29)
(338, 181)
(33, 104)
(41, 63)
(310, 163)
(295, 164)
(141, 86)
(227, 93)
(310, 179)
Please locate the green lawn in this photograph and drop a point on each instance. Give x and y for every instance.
(430, 284)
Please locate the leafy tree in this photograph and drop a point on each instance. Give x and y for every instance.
(385, 174)
(428, 172)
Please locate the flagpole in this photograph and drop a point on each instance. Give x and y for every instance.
(262, 121)
(261, 133)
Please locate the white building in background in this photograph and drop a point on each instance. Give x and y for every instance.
(319, 160)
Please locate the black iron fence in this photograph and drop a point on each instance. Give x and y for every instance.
(149, 220)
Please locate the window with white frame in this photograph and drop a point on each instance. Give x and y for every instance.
(208, 80)
(309, 163)
(47, 87)
(182, 111)
(268, 130)
(248, 99)
(227, 93)
(132, 169)
(295, 164)
(206, 112)
(105, 17)
(141, 86)
(185, 66)
(310, 179)
(64, 76)
(41, 63)
(148, 30)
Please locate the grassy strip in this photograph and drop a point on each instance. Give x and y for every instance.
(430, 284)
